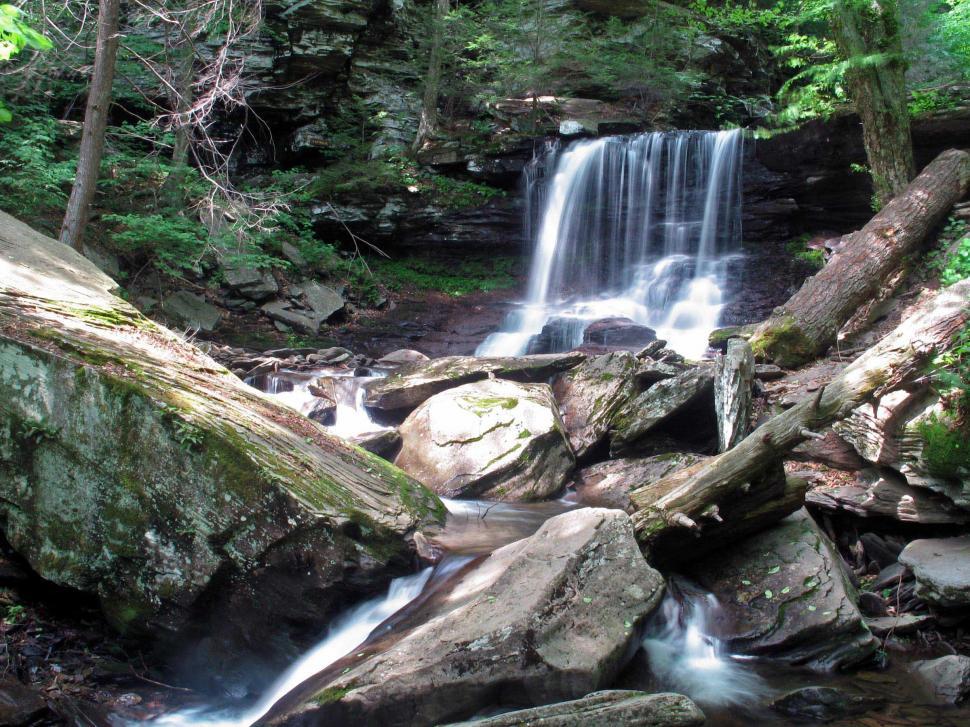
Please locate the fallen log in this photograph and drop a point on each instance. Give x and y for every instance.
(809, 322)
(685, 498)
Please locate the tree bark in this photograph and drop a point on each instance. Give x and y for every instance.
(809, 322)
(95, 122)
(733, 376)
(688, 497)
(865, 29)
(428, 124)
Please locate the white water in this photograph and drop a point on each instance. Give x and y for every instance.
(642, 227)
(347, 632)
(686, 657)
(351, 418)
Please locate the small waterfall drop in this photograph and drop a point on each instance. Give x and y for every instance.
(642, 227)
(686, 656)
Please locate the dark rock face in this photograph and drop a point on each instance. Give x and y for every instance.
(618, 333)
(795, 604)
(822, 704)
(19, 705)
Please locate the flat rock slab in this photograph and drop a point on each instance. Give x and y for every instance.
(497, 439)
(608, 484)
(942, 570)
(545, 619)
(412, 384)
(823, 704)
(786, 596)
(590, 394)
(614, 708)
(188, 309)
(901, 625)
(946, 679)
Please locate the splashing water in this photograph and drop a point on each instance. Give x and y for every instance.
(642, 227)
(686, 657)
(345, 634)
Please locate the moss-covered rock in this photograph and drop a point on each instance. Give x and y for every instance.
(135, 468)
(496, 439)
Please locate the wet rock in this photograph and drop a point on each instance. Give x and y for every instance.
(405, 389)
(189, 309)
(19, 704)
(883, 494)
(590, 394)
(321, 299)
(559, 334)
(891, 576)
(942, 570)
(946, 679)
(134, 468)
(608, 484)
(299, 320)
(496, 439)
(619, 708)
(618, 333)
(901, 625)
(639, 416)
(882, 551)
(250, 282)
(402, 356)
(823, 704)
(786, 596)
(545, 619)
(384, 444)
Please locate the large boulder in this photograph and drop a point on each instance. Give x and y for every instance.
(496, 439)
(590, 394)
(942, 570)
(251, 283)
(617, 707)
(409, 386)
(615, 334)
(545, 619)
(188, 309)
(946, 679)
(135, 468)
(608, 484)
(786, 596)
(690, 393)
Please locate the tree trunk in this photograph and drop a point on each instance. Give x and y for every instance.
(181, 101)
(687, 497)
(428, 124)
(95, 122)
(864, 29)
(733, 376)
(810, 321)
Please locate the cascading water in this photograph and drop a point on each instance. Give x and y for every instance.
(642, 227)
(686, 657)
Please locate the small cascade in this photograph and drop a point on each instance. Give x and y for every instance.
(686, 657)
(642, 227)
(350, 418)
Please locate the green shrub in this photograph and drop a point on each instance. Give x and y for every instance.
(946, 447)
(471, 276)
(798, 249)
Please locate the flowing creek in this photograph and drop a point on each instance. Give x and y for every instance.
(680, 650)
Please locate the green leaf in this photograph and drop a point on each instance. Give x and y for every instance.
(775, 569)
(769, 595)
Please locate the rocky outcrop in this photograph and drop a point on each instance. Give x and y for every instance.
(590, 394)
(189, 310)
(640, 416)
(942, 570)
(402, 391)
(135, 468)
(619, 708)
(542, 620)
(608, 484)
(786, 596)
(492, 439)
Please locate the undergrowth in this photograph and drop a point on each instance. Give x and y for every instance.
(470, 276)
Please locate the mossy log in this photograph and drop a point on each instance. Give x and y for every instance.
(691, 496)
(809, 322)
(134, 467)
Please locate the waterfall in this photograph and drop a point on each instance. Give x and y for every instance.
(642, 227)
